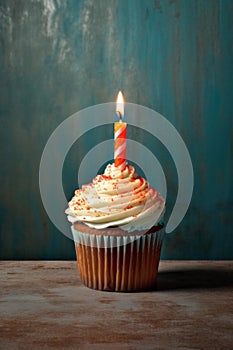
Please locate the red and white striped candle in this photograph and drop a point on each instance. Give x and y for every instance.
(120, 135)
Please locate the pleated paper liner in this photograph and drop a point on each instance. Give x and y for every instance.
(118, 263)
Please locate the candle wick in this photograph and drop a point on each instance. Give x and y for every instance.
(119, 115)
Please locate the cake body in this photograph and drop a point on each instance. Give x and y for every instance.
(112, 261)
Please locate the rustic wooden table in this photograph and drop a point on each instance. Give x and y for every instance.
(43, 305)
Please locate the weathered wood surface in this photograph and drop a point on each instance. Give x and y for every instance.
(43, 305)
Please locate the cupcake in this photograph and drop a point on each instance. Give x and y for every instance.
(117, 230)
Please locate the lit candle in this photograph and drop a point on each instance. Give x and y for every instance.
(120, 135)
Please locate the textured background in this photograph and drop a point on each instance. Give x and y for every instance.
(57, 57)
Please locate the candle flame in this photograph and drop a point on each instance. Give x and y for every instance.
(120, 104)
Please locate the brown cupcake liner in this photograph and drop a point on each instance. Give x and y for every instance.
(122, 263)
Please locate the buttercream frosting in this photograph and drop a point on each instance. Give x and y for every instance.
(117, 198)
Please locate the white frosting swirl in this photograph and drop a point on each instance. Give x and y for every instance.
(117, 198)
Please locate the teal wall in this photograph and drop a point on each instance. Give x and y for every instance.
(58, 57)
